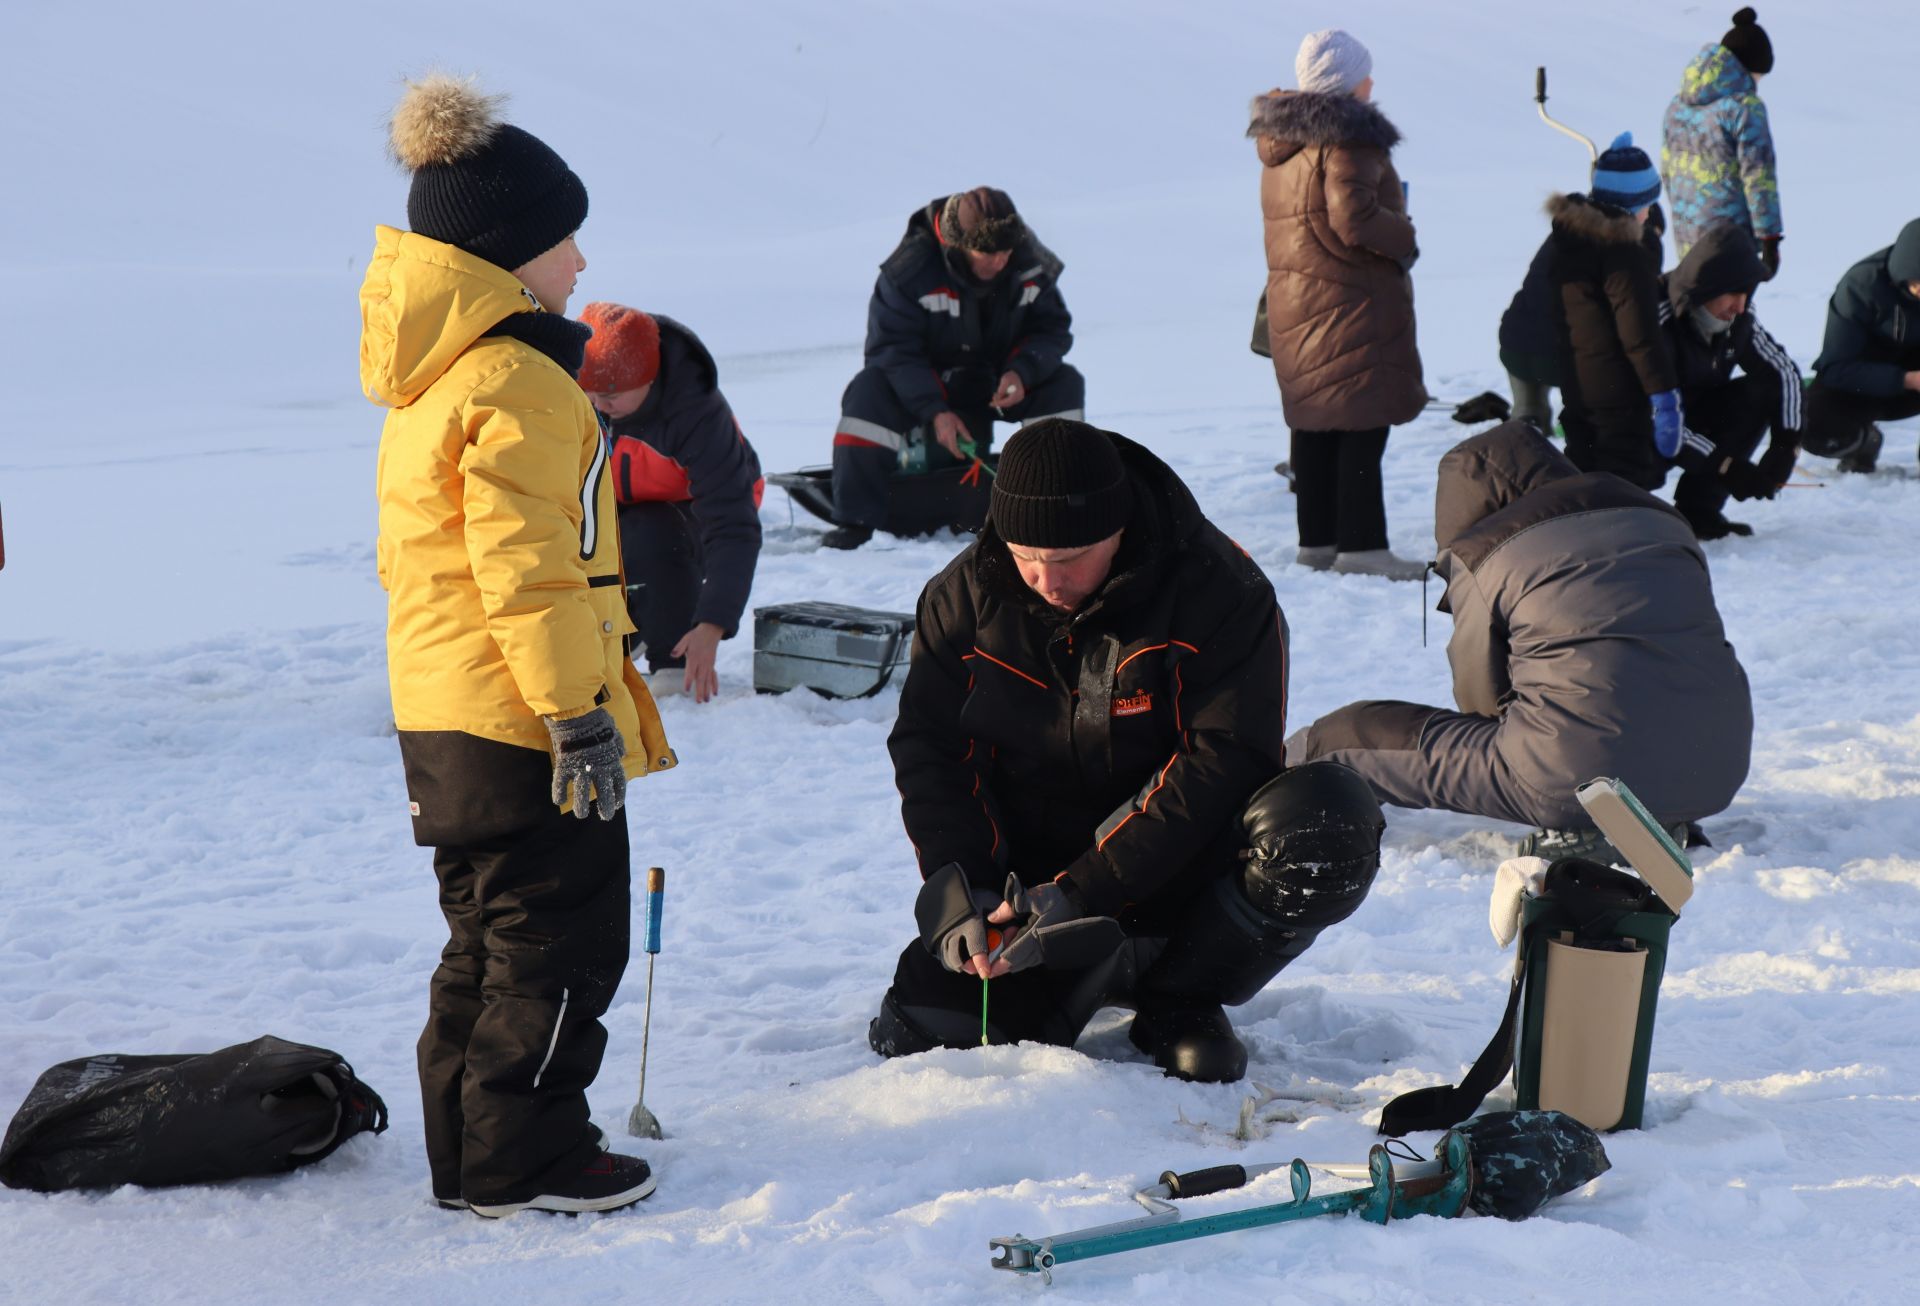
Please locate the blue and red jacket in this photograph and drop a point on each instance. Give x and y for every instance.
(684, 445)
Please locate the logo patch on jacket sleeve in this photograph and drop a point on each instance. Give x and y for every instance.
(1133, 704)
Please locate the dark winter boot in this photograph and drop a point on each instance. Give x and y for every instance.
(1715, 526)
(846, 537)
(1312, 849)
(607, 1183)
(1865, 456)
(1190, 1040)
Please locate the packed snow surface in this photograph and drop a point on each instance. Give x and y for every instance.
(202, 818)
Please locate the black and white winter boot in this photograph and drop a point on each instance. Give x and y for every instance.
(1865, 456)
(607, 1183)
(455, 1202)
(1190, 1040)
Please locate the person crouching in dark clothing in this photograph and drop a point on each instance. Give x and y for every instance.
(689, 487)
(1089, 757)
(1868, 371)
(966, 326)
(1596, 290)
(1711, 329)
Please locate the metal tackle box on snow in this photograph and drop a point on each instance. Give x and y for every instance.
(833, 649)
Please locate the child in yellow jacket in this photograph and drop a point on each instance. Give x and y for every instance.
(519, 715)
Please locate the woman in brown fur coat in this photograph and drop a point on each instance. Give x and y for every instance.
(1339, 299)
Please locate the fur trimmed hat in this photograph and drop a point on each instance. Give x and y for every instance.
(982, 219)
(624, 353)
(1747, 41)
(1060, 484)
(480, 184)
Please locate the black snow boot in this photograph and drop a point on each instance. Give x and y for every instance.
(846, 537)
(1865, 456)
(1312, 849)
(1715, 526)
(608, 1182)
(1190, 1040)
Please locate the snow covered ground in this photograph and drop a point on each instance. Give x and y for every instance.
(202, 826)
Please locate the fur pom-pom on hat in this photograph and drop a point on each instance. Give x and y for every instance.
(442, 119)
(481, 184)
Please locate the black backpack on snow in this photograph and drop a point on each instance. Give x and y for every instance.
(252, 1109)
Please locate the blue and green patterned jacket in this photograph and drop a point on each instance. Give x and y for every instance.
(1717, 158)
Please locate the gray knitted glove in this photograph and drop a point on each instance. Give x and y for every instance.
(1051, 928)
(586, 759)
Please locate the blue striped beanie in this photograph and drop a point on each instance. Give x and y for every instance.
(1624, 176)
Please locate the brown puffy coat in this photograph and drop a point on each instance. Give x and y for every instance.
(1339, 304)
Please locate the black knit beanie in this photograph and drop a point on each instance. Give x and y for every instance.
(1748, 42)
(1060, 485)
(480, 184)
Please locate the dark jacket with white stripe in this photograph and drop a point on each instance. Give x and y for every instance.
(1724, 261)
(684, 445)
(928, 315)
(1112, 744)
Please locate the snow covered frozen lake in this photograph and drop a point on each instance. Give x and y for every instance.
(203, 828)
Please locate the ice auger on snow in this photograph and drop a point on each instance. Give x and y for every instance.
(1507, 1164)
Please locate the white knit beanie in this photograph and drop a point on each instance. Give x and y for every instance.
(1332, 62)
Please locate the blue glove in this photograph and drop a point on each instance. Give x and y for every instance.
(1669, 423)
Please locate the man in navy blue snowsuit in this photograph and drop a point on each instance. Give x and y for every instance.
(966, 326)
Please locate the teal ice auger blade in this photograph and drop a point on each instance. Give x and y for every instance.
(1439, 1187)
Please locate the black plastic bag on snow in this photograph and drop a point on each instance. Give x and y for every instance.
(256, 1108)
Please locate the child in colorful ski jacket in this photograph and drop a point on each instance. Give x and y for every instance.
(1717, 157)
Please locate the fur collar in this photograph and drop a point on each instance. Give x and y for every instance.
(1579, 216)
(1305, 119)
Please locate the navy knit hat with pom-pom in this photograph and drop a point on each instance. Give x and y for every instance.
(1625, 177)
(480, 184)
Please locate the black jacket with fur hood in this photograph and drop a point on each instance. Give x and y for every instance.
(1587, 317)
(1113, 744)
(1339, 250)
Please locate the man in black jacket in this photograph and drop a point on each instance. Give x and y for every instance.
(689, 487)
(966, 325)
(1711, 329)
(1869, 365)
(1087, 750)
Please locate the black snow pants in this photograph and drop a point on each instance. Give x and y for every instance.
(539, 920)
(1338, 497)
(1617, 440)
(1208, 945)
(1734, 416)
(875, 427)
(660, 548)
(1838, 421)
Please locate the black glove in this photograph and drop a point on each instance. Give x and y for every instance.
(1656, 220)
(1770, 256)
(1777, 463)
(1749, 482)
(952, 916)
(586, 759)
(1051, 928)
(1406, 263)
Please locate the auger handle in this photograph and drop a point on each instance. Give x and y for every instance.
(1198, 1183)
(1540, 85)
(656, 903)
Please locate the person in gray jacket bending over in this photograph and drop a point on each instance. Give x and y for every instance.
(1585, 643)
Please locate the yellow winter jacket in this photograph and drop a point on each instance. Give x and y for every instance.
(498, 546)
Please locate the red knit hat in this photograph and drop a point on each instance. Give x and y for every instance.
(624, 353)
